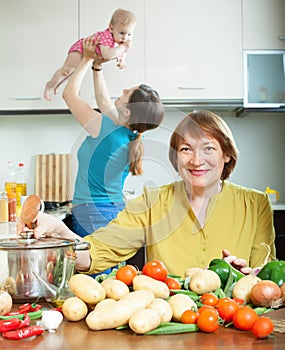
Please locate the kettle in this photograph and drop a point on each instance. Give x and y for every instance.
(272, 194)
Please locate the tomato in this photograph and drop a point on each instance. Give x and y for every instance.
(239, 301)
(206, 307)
(226, 308)
(262, 327)
(208, 321)
(126, 274)
(155, 269)
(172, 283)
(244, 318)
(209, 299)
(189, 316)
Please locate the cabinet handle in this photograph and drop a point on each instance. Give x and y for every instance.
(27, 98)
(281, 37)
(192, 87)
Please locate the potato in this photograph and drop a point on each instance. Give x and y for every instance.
(6, 302)
(180, 303)
(191, 270)
(159, 289)
(112, 315)
(115, 289)
(243, 287)
(205, 281)
(144, 320)
(163, 308)
(87, 288)
(104, 302)
(74, 309)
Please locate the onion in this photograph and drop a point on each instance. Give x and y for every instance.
(282, 288)
(6, 302)
(266, 293)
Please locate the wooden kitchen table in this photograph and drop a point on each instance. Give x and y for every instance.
(75, 335)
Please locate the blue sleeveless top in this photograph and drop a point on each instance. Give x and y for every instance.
(103, 165)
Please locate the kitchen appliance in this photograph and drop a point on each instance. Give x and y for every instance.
(22, 255)
(264, 78)
(53, 180)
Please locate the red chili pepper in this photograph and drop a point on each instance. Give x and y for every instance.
(9, 325)
(23, 333)
(25, 322)
(23, 309)
(14, 323)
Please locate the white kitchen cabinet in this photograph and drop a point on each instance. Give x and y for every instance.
(95, 16)
(263, 24)
(194, 48)
(35, 37)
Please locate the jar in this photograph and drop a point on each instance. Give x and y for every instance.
(4, 213)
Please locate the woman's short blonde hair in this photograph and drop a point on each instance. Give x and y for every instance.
(198, 123)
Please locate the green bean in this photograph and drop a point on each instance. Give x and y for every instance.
(191, 294)
(174, 328)
(33, 315)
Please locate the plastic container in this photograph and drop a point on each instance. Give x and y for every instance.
(10, 188)
(272, 194)
(21, 185)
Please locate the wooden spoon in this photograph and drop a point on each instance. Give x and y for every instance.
(30, 210)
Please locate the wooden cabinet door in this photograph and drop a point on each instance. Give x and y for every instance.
(95, 16)
(263, 24)
(194, 48)
(35, 37)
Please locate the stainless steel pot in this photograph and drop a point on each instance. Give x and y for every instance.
(21, 256)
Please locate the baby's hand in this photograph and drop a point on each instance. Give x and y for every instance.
(128, 44)
(121, 63)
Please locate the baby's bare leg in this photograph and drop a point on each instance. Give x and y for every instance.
(71, 63)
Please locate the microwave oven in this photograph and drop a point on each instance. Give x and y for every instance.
(264, 78)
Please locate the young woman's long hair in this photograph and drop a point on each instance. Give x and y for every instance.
(147, 113)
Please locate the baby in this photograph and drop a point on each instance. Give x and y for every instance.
(112, 43)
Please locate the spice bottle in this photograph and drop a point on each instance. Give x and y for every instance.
(4, 217)
(10, 188)
(21, 185)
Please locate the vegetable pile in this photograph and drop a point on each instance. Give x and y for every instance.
(153, 302)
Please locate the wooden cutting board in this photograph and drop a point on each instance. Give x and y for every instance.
(53, 180)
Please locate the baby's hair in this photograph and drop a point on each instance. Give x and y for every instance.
(123, 16)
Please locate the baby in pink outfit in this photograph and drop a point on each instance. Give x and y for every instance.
(112, 43)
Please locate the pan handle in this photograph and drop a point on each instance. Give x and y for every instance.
(81, 245)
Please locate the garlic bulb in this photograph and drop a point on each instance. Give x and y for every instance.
(51, 319)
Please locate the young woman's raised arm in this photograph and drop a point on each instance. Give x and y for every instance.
(101, 92)
(81, 110)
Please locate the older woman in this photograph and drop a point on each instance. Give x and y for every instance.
(190, 222)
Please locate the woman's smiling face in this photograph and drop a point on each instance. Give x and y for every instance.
(200, 161)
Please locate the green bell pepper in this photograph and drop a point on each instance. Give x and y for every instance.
(273, 271)
(223, 270)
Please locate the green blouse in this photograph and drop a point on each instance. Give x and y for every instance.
(238, 219)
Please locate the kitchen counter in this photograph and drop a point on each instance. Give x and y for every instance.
(278, 206)
(76, 335)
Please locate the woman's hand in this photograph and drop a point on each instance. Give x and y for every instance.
(89, 51)
(237, 263)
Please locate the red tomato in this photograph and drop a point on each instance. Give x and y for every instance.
(189, 316)
(208, 321)
(209, 299)
(226, 308)
(172, 283)
(126, 274)
(239, 301)
(206, 307)
(155, 269)
(244, 318)
(262, 327)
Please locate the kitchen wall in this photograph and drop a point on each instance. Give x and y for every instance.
(259, 136)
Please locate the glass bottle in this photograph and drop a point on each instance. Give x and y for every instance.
(10, 188)
(21, 185)
(54, 295)
(4, 216)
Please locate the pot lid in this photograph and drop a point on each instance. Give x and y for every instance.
(33, 243)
